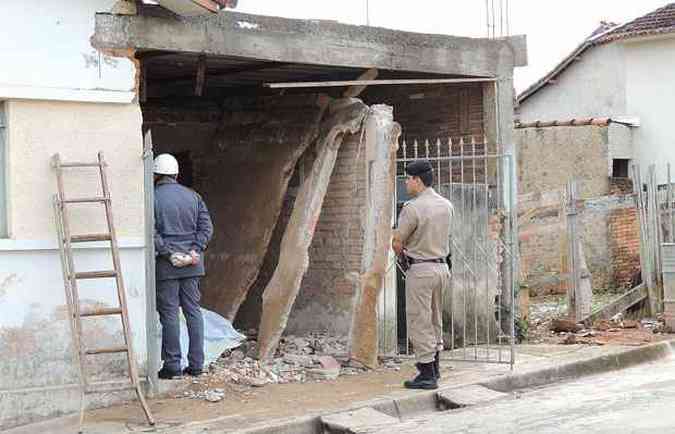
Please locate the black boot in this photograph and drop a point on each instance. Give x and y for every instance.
(167, 374)
(437, 365)
(425, 380)
(191, 372)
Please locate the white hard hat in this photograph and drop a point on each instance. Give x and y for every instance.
(165, 164)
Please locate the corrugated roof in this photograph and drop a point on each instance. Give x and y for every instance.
(661, 21)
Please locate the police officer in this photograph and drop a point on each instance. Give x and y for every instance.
(423, 236)
(183, 229)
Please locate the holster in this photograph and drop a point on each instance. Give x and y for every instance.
(404, 262)
(448, 260)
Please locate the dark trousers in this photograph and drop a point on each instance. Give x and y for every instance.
(170, 295)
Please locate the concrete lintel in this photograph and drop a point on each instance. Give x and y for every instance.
(312, 42)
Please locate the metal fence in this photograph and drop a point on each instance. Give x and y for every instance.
(479, 310)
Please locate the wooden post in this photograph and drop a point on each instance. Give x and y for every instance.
(573, 251)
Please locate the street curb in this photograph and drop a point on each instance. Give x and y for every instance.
(418, 403)
(582, 368)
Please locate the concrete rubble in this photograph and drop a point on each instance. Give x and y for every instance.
(315, 357)
(548, 325)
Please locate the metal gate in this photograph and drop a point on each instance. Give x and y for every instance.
(479, 310)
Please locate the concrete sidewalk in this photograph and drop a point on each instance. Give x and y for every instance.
(297, 408)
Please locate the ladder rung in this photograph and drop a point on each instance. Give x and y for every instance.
(87, 200)
(101, 311)
(109, 350)
(96, 274)
(79, 164)
(89, 237)
(106, 388)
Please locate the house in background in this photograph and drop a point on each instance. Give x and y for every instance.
(604, 107)
(623, 72)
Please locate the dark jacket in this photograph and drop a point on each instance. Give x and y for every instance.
(182, 223)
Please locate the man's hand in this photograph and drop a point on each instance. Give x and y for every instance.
(396, 243)
(195, 257)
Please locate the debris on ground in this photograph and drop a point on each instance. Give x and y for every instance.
(315, 357)
(548, 324)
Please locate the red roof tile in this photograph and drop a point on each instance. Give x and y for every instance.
(655, 23)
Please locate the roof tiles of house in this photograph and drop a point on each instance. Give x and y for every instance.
(658, 22)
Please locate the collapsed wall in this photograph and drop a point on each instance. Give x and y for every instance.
(243, 155)
(345, 116)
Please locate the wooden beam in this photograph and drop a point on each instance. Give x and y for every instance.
(621, 304)
(209, 5)
(354, 91)
(224, 73)
(377, 82)
(201, 75)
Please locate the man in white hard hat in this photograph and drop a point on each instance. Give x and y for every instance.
(183, 229)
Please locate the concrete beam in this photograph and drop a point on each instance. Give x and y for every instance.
(313, 42)
(381, 134)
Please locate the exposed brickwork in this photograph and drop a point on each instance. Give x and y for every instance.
(620, 186)
(610, 233)
(624, 242)
(326, 295)
(431, 112)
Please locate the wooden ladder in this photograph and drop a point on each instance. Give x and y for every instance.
(72, 277)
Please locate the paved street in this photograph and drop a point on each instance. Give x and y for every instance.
(636, 400)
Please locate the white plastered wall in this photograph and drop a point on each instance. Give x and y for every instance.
(34, 336)
(650, 90)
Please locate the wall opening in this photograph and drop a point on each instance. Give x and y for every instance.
(620, 167)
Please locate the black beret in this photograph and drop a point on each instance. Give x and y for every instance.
(418, 167)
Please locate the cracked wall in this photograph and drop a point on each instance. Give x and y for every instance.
(243, 156)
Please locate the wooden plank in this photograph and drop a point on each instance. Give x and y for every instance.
(84, 312)
(354, 91)
(89, 238)
(377, 82)
(621, 304)
(87, 200)
(201, 75)
(107, 350)
(96, 274)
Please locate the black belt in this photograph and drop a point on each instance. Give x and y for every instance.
(421, 261)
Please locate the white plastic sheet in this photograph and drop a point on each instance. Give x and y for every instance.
(219, 336)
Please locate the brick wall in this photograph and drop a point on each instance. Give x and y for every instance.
(430, 112)
(327, 291)
(620, 186)
(548, 158)
(624, 233)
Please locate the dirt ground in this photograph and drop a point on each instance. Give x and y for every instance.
(283, 400)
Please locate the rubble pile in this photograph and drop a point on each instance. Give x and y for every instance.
(315, 357)
(616, 330)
